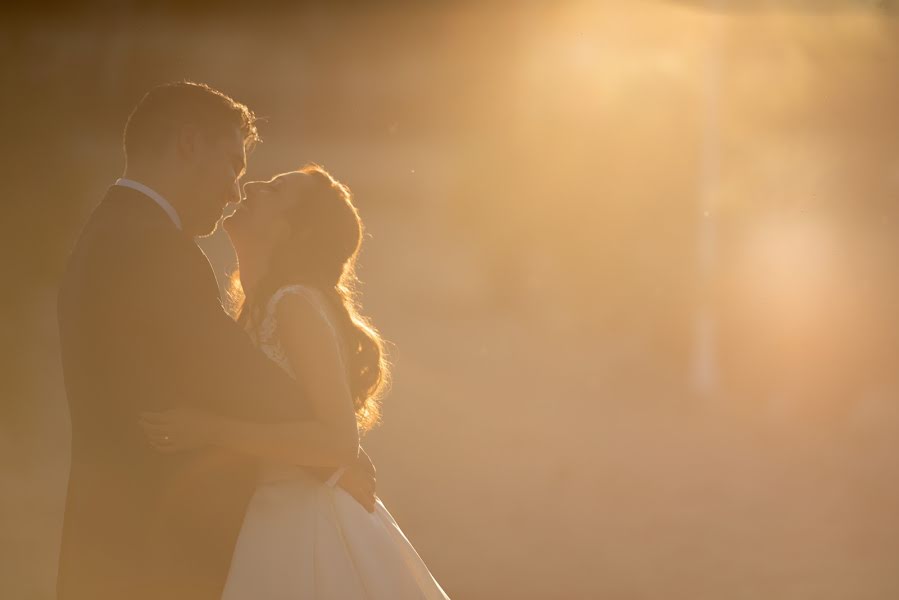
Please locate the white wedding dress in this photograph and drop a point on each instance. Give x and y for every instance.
(303, 539)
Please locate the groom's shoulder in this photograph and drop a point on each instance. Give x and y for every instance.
(124, 233)
(130, 211)
(126, 219)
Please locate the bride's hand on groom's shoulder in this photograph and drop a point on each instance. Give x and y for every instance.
(178, 429)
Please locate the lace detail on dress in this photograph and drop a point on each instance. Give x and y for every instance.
(265, 334)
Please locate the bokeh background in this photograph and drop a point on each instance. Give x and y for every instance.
(637, 261)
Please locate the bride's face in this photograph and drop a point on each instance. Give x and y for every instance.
(259, 225)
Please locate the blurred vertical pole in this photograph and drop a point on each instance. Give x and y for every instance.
(704, 364)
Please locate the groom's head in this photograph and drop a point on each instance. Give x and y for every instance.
(190, 141)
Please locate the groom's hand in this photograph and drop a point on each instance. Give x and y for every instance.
(359, 481)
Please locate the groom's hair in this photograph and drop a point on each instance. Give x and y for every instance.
(165, 109)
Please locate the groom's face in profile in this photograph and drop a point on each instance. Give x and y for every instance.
(220, 163)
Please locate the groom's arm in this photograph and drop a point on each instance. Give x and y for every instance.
(218, 367)
(247, 377)
(200, 354)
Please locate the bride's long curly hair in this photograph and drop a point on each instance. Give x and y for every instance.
(321, 253)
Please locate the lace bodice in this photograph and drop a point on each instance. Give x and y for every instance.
(265, 333)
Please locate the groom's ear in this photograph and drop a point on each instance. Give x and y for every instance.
(188, 142)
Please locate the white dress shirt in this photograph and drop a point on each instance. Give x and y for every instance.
(153, 195)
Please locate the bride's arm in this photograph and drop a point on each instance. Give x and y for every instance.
(331, 439)
(313, 350)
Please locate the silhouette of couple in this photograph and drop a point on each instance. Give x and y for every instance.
(216, 455)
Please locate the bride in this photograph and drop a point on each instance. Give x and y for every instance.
(297, 237)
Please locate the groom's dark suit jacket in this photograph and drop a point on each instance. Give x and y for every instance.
(142, 328)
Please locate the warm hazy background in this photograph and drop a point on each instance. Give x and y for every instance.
(638, 261)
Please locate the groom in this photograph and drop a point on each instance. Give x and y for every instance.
(142, 328)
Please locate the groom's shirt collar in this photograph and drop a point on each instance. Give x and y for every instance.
(153, 195)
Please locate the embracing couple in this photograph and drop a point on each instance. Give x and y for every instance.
(217, 456)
